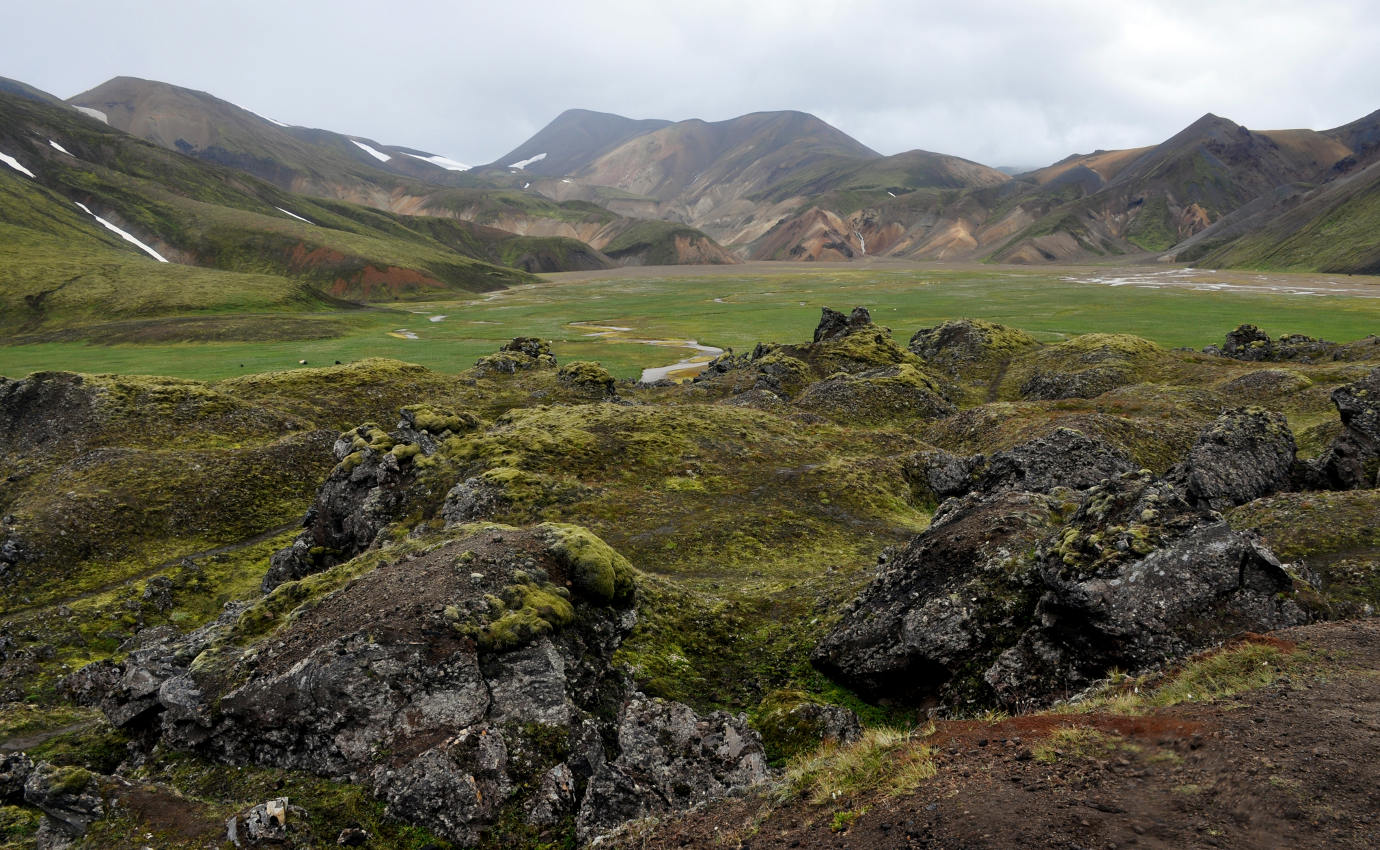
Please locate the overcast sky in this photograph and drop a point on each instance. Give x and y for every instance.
(1003, 83)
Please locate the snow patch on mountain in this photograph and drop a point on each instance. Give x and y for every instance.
(379, 155)
(14, 163)
(294, 215)
(523, 163)
(124, 234)
(441, 162)
(59, 147)
(94, 113)
(271, 121)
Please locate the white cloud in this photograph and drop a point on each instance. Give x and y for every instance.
(999, 82)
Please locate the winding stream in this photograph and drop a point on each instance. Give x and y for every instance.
(681, 369)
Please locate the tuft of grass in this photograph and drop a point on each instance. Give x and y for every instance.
(1207, 677)
(885, 760)
(1073, 742)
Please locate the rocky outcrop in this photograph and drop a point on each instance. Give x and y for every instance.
(71, 799)
(1024, 589)
(877, 395)
(852, 371)
(587, 378)
(835, 325)
(521, 353)
(42, 409)
(1352, 461)
(1244, 454)
(467, 680)
(670, 759)
(960, 345)
(1198, 589)
(374, 478)
(1062, 458)
(1086, 383)
(1248, 342)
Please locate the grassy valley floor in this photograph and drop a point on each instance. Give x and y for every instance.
(724, 306)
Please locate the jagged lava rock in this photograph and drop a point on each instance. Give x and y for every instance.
(1062, 458)
(1352, 460)
(1017, 597)
(521, 353)
(958, 594)
(1244, 454)
(374, 478)
(835, 325)
(670, 759)
(468, 682)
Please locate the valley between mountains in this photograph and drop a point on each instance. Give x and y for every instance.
(338, 508)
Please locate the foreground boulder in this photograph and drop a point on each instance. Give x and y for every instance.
(1352, 461)
(467, 681)
(1015, 597)
(1244, 454)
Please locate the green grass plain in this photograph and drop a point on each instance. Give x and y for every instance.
(733, 308)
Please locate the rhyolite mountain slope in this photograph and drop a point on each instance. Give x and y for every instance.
(1132, 202)
(228, 239)
(785, 185)
(734, 179)
(300, 159)
(389, 177)
(573, 140)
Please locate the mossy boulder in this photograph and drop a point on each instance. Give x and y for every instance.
(1087, 366)
(1244, 454)
(878, 395)
(465, 679)
(592, 566)
(586, 377)
(1261, 384)
(375, 481)
(781, 373)
(521, 353)
(437, 421)
(963, 345)
(1016, 598)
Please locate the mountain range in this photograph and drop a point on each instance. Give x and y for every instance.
(211, 185)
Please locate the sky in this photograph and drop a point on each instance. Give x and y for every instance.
(1002, 83)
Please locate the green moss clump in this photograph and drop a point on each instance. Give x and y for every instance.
(786, 732)
(587, 375)
(433, 420)
(790, 373)
(594, 568)
(18, 826)
(71, 780)
(1099, 346)
(370, 436)
(873, 347)
(522, 612)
